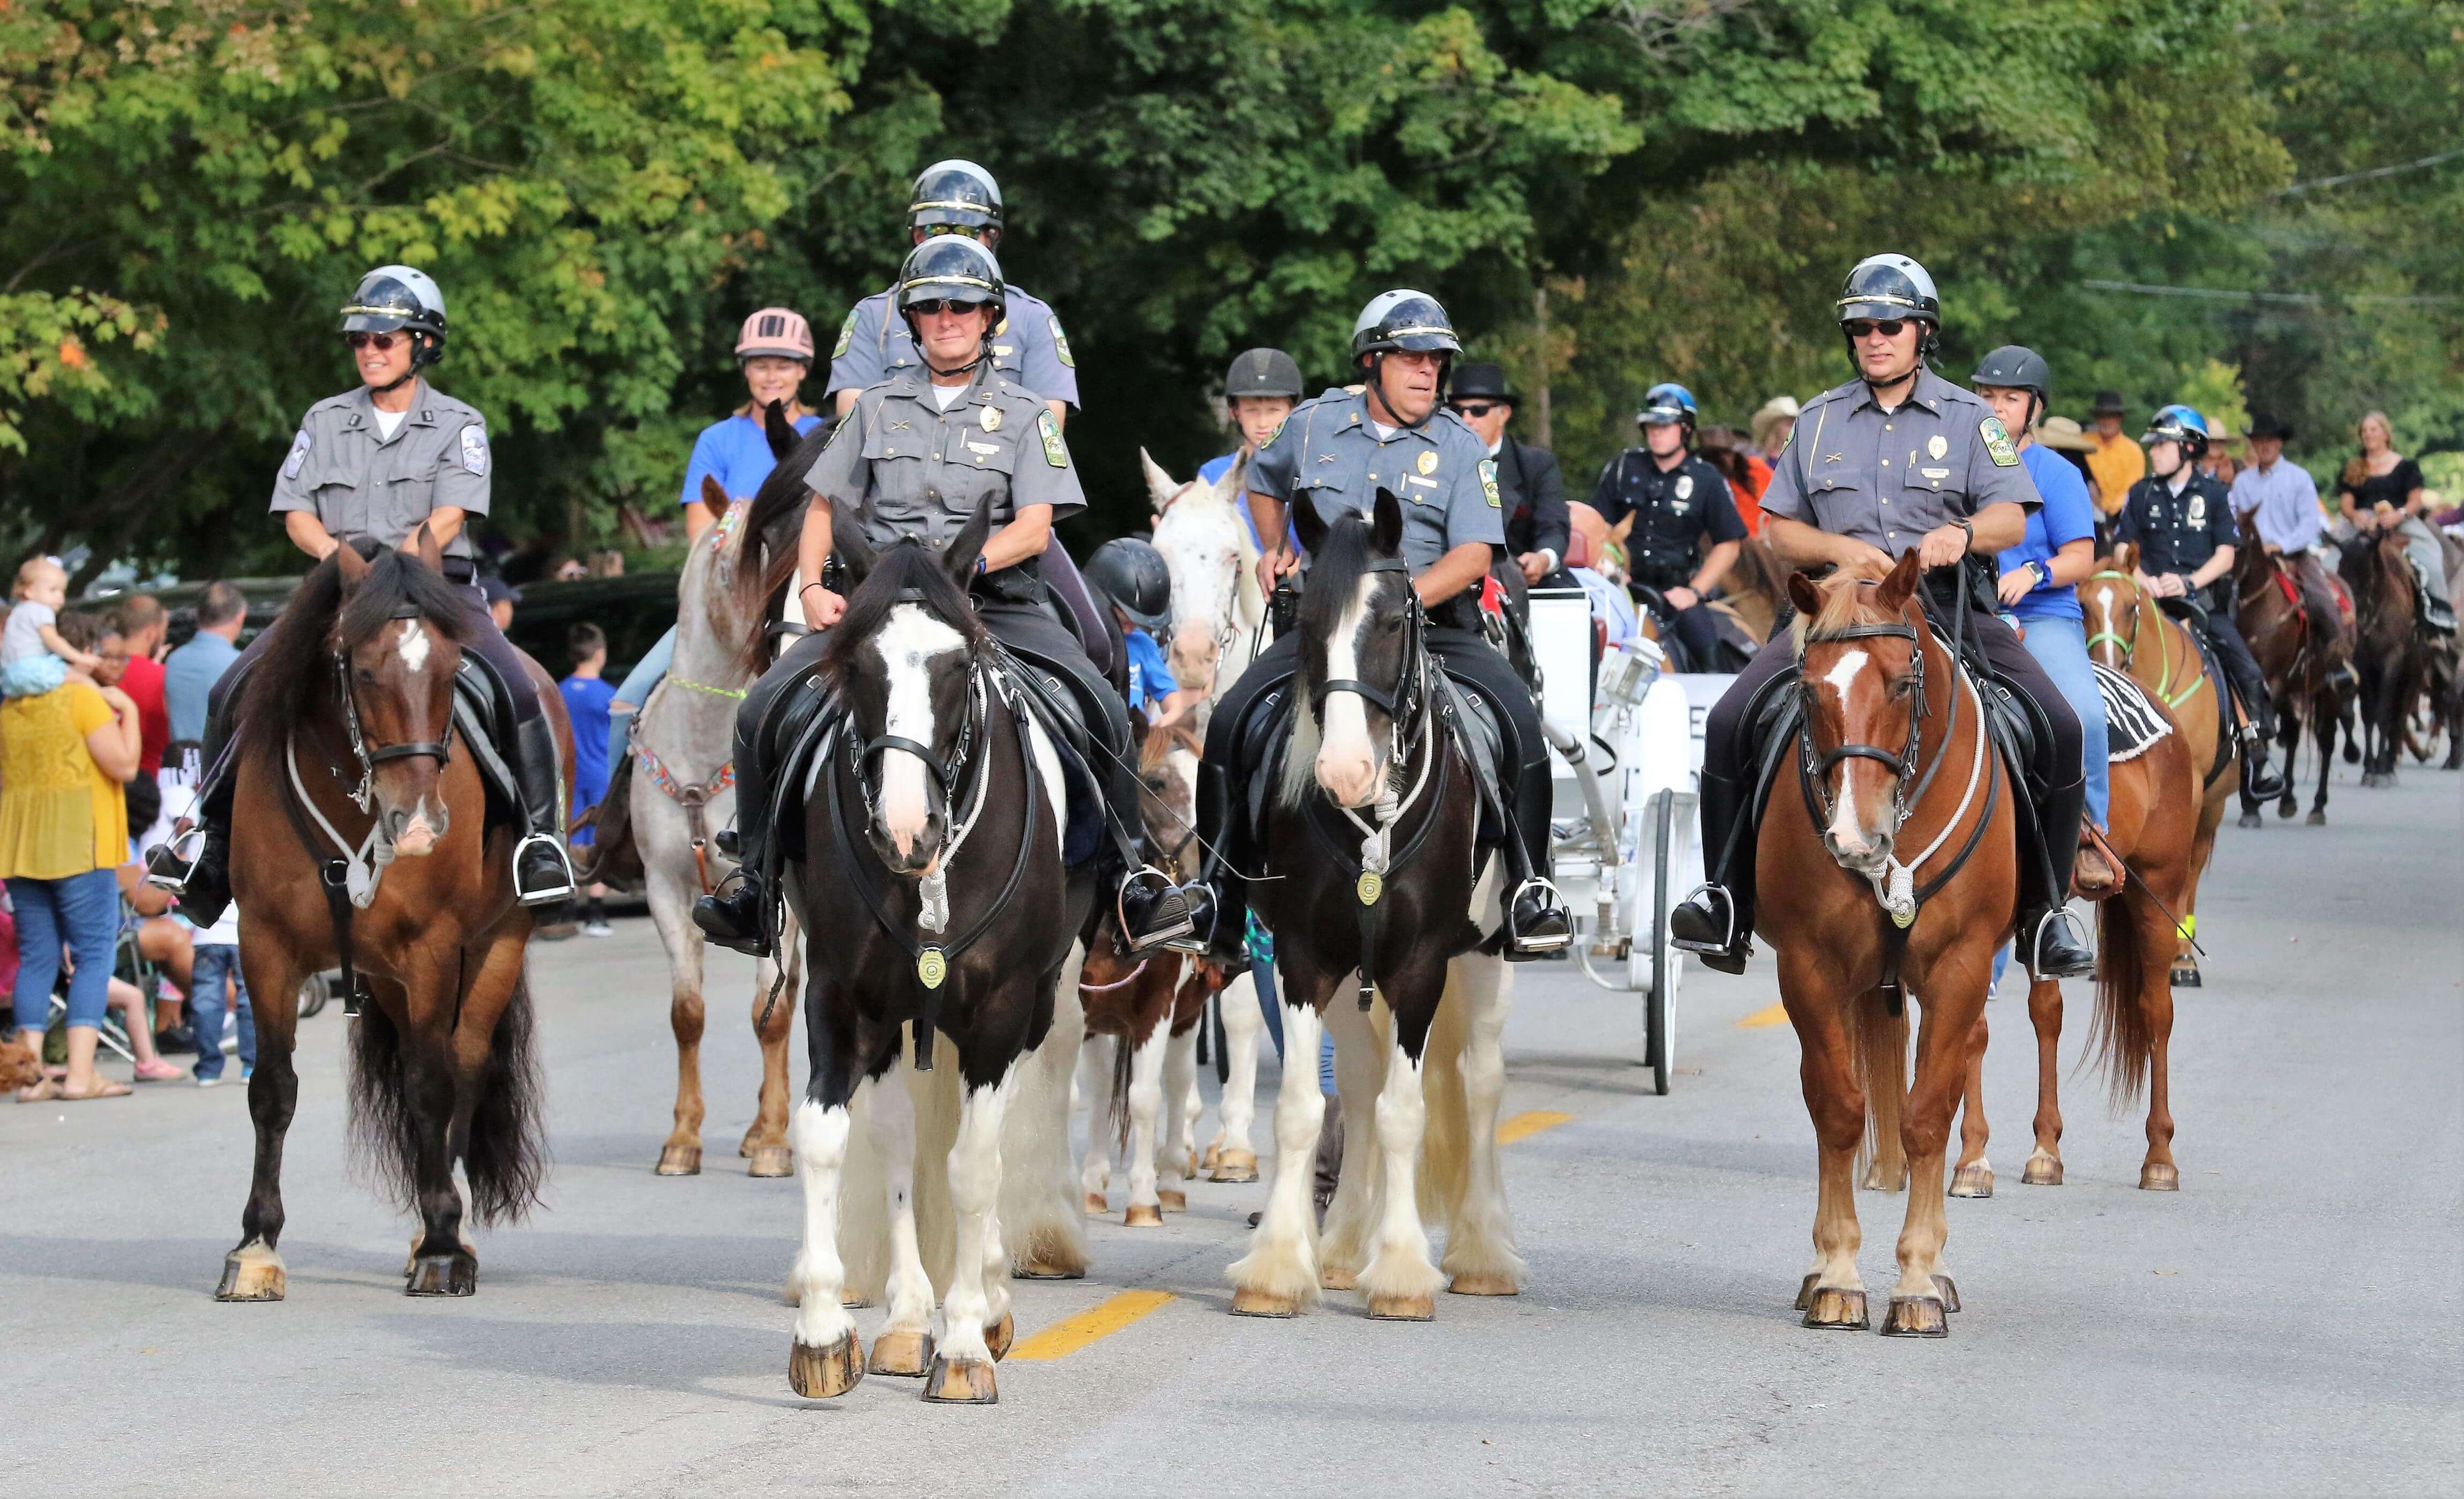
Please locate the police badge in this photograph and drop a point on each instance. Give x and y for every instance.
(1428, 464)
(1685, 486)
(989, 418)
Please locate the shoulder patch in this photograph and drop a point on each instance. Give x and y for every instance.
(1489, 483)
(1055, 453)
(1060, 341)
(847, 332)
(475, 448)
(298, 459)
(1997, 442)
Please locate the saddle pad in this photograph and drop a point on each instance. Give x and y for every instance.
(2132, 720)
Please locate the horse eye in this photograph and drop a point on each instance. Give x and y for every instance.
(366, 675)
(1391, 625)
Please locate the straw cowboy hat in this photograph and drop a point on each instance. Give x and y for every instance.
(1776, 410)
(2065, 435)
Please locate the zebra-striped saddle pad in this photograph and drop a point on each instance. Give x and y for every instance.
(2132, 720)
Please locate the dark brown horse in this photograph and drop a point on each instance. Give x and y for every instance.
(2303, 658)
(1898, 790)
(2389, 654)
(349, 772)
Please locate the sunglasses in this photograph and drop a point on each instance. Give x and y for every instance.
(378, 342)
(932, 306)
(1477, 407)
(1863, 327)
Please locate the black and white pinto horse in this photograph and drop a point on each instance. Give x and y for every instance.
(933, 889)
(1374, 867)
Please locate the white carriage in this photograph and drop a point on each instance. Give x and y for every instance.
(1627, 748)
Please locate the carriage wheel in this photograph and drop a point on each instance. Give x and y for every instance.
(1659, 1004)
(315, 994)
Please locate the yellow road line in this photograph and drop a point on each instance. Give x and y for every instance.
(1523, 1126)
(1768, 1015)
(1072, 1333)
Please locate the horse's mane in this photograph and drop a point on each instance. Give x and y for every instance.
(1846, 600)
(771, 527)
(909, 567)
(1336, 571)
(294, 675)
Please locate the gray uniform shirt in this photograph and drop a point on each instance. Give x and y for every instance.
(1029, 349)
(1328, 451)
(358, 482)
(1887, 478)
(919, 471)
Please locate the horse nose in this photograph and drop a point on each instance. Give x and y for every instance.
(1349, 777)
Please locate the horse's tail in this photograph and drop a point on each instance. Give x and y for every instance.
(1880, 1048)
(1444, 1171)
(505, 1156)
(1124, 1055)
(2119, 1034)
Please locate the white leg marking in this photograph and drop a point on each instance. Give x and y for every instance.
(1400, 1266)
(1481, 1240)
(893, 1124)
(1242, 1023)
(1041, 1221)
(819, 1136)
(1146, 1103)
(1359, 1073)
(1182, 1105)
(1096, 1085)
(975, 1192)
(1282, 1260)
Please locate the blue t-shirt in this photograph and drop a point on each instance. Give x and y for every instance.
(585, 703)
(1213, 470)
(734, 453)
(2067, 516)
(1151, 679)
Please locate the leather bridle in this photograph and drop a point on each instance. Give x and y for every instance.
(370, 757)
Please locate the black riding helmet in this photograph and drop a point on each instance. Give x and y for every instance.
(1408, 322)
(1886, 287)
(1263, 372)
(951, 268)
(2016, 367)
(957, 196)
(1132, 576)
(398, 296)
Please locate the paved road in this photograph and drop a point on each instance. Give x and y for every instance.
(2288, 1323)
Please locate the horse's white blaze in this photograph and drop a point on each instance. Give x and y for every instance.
(819, 1136)
(1846, 831)
(414, 645)
(1844, 674)
(907, 644)
(1346, 759)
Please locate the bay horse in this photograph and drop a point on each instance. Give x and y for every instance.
(2388, 653)
(1892, 752)
(2127, 632)
(931, 875)
(2302, 659)
(665, 802)
(2151, 827)
(361, 839)
(1370, 735)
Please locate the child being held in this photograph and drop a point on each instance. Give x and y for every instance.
(34, 657)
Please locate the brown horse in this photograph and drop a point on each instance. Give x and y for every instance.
(2394, 666)
(2129, 634)
(1893, 757)
(348, 772)
(2152, 828)
(2300, 656)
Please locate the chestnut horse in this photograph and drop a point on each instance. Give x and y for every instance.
(348, 772)
(2129, 634)
(1892, 755)
(2300, 657)
(2153, 825)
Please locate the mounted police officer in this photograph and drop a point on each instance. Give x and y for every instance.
(916, 456)
(1336, 453)
(382, 461)
(2183, 522)
(1896, 460)
(1686, 530)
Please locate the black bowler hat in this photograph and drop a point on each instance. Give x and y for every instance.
(2108, 403)
(2269, 427)
(1479, 382)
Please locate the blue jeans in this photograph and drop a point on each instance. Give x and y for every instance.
(81, 912)
(2060, 647)
(215, 961)
(636, 690)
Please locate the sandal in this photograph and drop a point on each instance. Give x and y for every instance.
(157, 1071)
(104, 1087)
(43, 1091)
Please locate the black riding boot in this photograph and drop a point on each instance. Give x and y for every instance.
(1223, 927)
(196, 865)
(735, 915)
(2049, 940)
(1716, 922)
(1537, 920)
(2259, 776)
(1151, 908)
(542, 870)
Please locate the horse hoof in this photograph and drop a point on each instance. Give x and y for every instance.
(2043, 1171)
(1261, 1304)
(2317, 818)
(817, 1373)
(253, 1273)
(1173, 1202)
(1213, 1152)
(1095, 1202)
(1141, 1216)
(1235, 1165)
(2154, 1177)
(1190, 1166)
(1336, 1277)
(680, 1161)
(772, 1160)
(901, 1355)
(443, 1276)
(1949, 1291)
(1402, 1308)
(1916, 1316)
(1000, 1336)
(2285, 808)
(1973, 1180)
(964, 1381)
(1484, 1284)
(2186, 975)
(2253, 819)
(1831, 1307)
(1042, 1269)
(855, 1301)
(1805, 1289)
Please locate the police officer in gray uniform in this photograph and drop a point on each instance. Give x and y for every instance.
(1028, 348)
(1896, 460)
(380, 461)
(919, 455)
(1336, 453)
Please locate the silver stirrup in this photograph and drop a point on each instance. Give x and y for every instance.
(2037, 938)
(1546, 945)
(1184, 927)
(529, 897)
(1727, 921)
(185, 848)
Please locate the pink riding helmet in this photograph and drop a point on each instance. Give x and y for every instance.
(777, 333)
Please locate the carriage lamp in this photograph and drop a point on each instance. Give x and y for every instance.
(1627, 672)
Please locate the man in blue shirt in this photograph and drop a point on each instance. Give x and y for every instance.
(190, 674)
(587, 695)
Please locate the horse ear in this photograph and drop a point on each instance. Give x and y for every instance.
(2125, 558)
(1802, 593)
(1308, 524)
(960, 554)
(354, 567)
(846, 539)
(423, 547)
(1898, 584)
(1161, 486)
(714, 495)
(1386, 525)
(777, 432)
